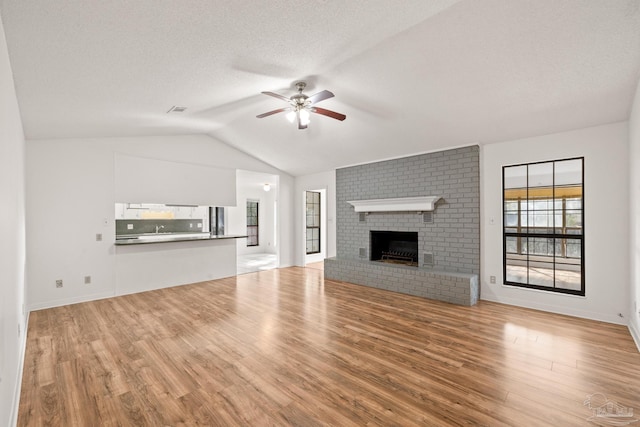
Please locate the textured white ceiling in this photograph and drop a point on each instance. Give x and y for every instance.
(411, 75)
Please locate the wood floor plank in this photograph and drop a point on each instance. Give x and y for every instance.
(286, 347)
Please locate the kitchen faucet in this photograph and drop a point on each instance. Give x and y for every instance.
(158, 227)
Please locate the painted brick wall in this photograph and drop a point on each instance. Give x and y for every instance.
(455, 288)
(454, 235)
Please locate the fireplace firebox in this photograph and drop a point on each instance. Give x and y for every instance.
(397, 247)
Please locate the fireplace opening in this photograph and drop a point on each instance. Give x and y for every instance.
(396, 247)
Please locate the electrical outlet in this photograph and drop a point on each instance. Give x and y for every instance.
(99, 237)
(87, 280)
(492, 279)
(59, 283)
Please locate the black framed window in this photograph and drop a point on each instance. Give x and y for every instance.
(252, 223)
(216, 215)
(313, 222)
(543, 225)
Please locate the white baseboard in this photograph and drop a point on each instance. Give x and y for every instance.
(16, 396)
(68, 301)
(635, 334)
(608, 318)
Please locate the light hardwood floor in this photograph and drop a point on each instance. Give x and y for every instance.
(285, 347)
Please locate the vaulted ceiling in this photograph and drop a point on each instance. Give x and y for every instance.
(411, 75)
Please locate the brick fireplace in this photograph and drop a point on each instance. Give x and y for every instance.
(447, 233)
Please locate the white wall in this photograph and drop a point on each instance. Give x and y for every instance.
(606, 239)
(319, 181)
(70, 199)
(634, 224)
(12, 241)
(140, 268)
(171, 182)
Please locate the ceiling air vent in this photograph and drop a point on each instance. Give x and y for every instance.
(176, 109)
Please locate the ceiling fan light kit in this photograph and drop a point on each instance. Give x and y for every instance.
(301, 105)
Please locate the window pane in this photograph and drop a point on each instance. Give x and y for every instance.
(573, 248)
(541, 219)
(541, 273)
(557, 220)
(515, 177)
(574, 218)
(568, 277)
(568, 172)
(524, 217)
(568, 280)
(511, 219)
(540, 246)
(541, 204)
(511, 205)
(516, 271)
(574, 203)
(541, 175)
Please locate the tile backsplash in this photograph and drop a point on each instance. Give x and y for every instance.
(127, 227)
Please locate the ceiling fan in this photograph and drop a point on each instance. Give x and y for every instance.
(302, 105)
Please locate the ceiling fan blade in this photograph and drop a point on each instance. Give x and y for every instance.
(328, 113)
(320, 96)
(277, 95)
(268, 113)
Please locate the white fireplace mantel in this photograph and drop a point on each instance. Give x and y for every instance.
(400, 204)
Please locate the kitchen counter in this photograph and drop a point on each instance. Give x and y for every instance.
(169, 237)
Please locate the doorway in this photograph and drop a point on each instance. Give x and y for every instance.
(315, 225)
